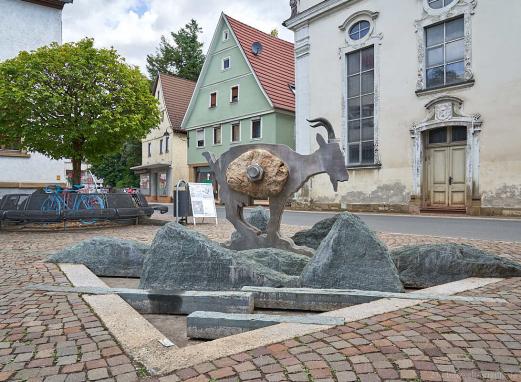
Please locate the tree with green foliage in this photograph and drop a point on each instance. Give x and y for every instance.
(115, 169)
(74, 101)
(184, 58)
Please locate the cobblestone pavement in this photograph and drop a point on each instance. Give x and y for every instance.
(51, 337)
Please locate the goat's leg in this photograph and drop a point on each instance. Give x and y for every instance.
(234, 213)
(276, 210)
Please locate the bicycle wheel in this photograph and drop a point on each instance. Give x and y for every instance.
(90, 202)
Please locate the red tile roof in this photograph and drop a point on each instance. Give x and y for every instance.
(274, 67)
(177, 93)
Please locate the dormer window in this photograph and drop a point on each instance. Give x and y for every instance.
(226, 35)
(227, 63)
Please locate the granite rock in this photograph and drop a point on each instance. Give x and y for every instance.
(351, 257)
(312, 237)
(278, 260)
(424, 266)
(104, 256)
(183, 259)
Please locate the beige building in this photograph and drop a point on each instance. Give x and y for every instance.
(426, 96)
(164, 150)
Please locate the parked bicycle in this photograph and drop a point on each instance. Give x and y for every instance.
(61, 199)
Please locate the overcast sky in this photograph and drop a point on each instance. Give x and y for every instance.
(134, 27)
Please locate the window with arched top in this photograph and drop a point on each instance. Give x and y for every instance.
(359, 30)
(438, 4)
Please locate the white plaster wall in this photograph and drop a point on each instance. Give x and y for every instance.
(27, 26)
(496, 95)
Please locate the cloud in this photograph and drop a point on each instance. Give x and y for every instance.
(134, 27)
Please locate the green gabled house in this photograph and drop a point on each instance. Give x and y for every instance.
(245, 94)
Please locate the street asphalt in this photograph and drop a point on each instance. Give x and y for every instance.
(479, 228)
(448, 226)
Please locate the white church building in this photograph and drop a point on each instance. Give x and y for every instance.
(426, 96)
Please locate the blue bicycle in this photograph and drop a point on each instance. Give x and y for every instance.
(61, 199)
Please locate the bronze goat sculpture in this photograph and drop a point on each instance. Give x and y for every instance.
(274, 172)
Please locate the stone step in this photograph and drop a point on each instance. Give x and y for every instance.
(323, 300)
(168, 302)
(214, 325)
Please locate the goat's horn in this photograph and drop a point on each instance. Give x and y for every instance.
(326, 124)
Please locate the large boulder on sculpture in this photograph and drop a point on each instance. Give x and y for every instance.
(270, 181)
(423, 266)
(186, 260)
(104, 256)
(313, 237)
(352, 257)
(278, 260)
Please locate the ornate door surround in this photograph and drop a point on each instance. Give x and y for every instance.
(447, 111)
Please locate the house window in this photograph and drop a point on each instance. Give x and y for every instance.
(199, 136)
(167, 141)
(359, 30)
(149, 149)
(226, 35)
(160, 146)
(226, 63)
(217, 135)
(445, 53)
(438, 4)
(234, 97)
(236, 132)
(213, 99)
(360, 106)
(256, 129)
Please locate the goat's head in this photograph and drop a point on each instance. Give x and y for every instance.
(333, 157)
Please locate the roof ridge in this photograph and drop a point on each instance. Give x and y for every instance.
(175, 76)
(258, 30)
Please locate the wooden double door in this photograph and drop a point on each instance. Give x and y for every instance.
(446, 164)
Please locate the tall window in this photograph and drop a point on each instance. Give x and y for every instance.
(445, 53)
(213, 99)
(167, 141)
(149, 149)
(236, 132)
(256, 129)
(234, 96)
(217, 137)
(360, 106)
(199, 136)
(160, 146)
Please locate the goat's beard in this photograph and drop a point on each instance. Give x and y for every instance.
(334, 182)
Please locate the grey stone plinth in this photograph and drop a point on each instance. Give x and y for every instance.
(104, 256)
(213, 325)
(322, 300)
(423, 266)
(167, 302)
(181, 259)
(351, 257)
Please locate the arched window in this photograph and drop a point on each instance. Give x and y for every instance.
(359, 30)
(438, 4)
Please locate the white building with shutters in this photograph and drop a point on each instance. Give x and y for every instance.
(425, 95)
(28, 25)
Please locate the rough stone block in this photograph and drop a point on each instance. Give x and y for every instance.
(213, 325)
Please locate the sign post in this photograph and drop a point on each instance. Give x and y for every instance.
(203, 203)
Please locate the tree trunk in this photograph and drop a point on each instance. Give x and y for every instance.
(76, 171)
